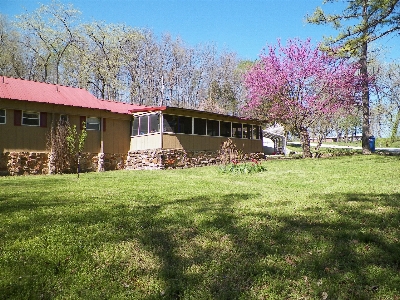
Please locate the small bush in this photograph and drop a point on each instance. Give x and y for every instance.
(242, 168)
(343, 151)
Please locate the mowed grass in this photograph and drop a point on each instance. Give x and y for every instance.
(304, 229)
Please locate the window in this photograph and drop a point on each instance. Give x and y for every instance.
(30, 118)
(256, 132)
(177, 124)
(237, 130)
(247, 132)
(225, 129)
(213, 127)
(185, 125)
(170, 123)
(64, 118)
(146, 124)
(92, 123)
(135, 126)
(2, 116)
(154, 123)
(143, 125)
(200, 126)
(140, 125)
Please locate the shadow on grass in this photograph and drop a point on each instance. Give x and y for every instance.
(353, 246)
(213, 248)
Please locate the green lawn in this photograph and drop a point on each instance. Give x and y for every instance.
(304, 229)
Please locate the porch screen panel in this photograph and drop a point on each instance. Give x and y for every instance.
(154, 123)
(213, 127)
(185, 125)
(225, 129)
(200, 126)
(256, 132)
(247, 131)
(170, 123)
(237, 130)
(144, 125)
(135, 126)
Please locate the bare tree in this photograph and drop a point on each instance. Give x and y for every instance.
(47, 34)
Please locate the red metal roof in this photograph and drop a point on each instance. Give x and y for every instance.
(26, 90)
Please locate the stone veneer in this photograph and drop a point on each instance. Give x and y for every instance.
(177, 158)
(25, 163)
(32, 163)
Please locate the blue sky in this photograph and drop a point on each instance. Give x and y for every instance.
(241, 26)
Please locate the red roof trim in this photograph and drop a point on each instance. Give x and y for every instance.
(26, 90)
(148, 109)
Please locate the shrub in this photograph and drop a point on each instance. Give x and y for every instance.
(65, 145)
(343, 151)
(242, 168)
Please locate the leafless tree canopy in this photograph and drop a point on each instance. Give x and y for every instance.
(118, 62)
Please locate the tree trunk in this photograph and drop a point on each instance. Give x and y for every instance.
(305, 142)
(395, 128)
(365, 85)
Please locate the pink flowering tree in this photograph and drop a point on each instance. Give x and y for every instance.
(300, 86)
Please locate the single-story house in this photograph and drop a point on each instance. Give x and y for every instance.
(170, 136)
(119, 135)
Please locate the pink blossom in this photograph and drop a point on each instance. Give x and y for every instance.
(300, 83)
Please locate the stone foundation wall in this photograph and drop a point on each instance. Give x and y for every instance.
(31, 163)
(3, 164)
(25, 163)
(105, 162)
(177, 158)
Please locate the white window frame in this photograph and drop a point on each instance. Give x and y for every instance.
(1, 116)
(92, 125)
(25, 117)
(64, 117)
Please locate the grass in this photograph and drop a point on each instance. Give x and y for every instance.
(304, 229)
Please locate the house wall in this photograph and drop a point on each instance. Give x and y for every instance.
(189, 140)
(15, 138)
(32, 163)
(116, 137)
(23, 149)
(142, 142)
(158, 159)
(207, 143)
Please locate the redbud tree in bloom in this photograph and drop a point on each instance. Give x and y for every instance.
(300, 86)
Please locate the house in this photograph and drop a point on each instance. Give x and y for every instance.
(28, 109)
(178, 137)
(119, 135)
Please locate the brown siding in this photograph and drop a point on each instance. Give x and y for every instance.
(207, 143)
(33, 138)
(21, 138)
(117, 136)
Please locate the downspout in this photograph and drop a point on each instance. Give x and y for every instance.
(100, 156)
(101, 135)
(51, 162)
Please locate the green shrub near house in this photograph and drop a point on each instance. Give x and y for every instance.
(302, 229)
